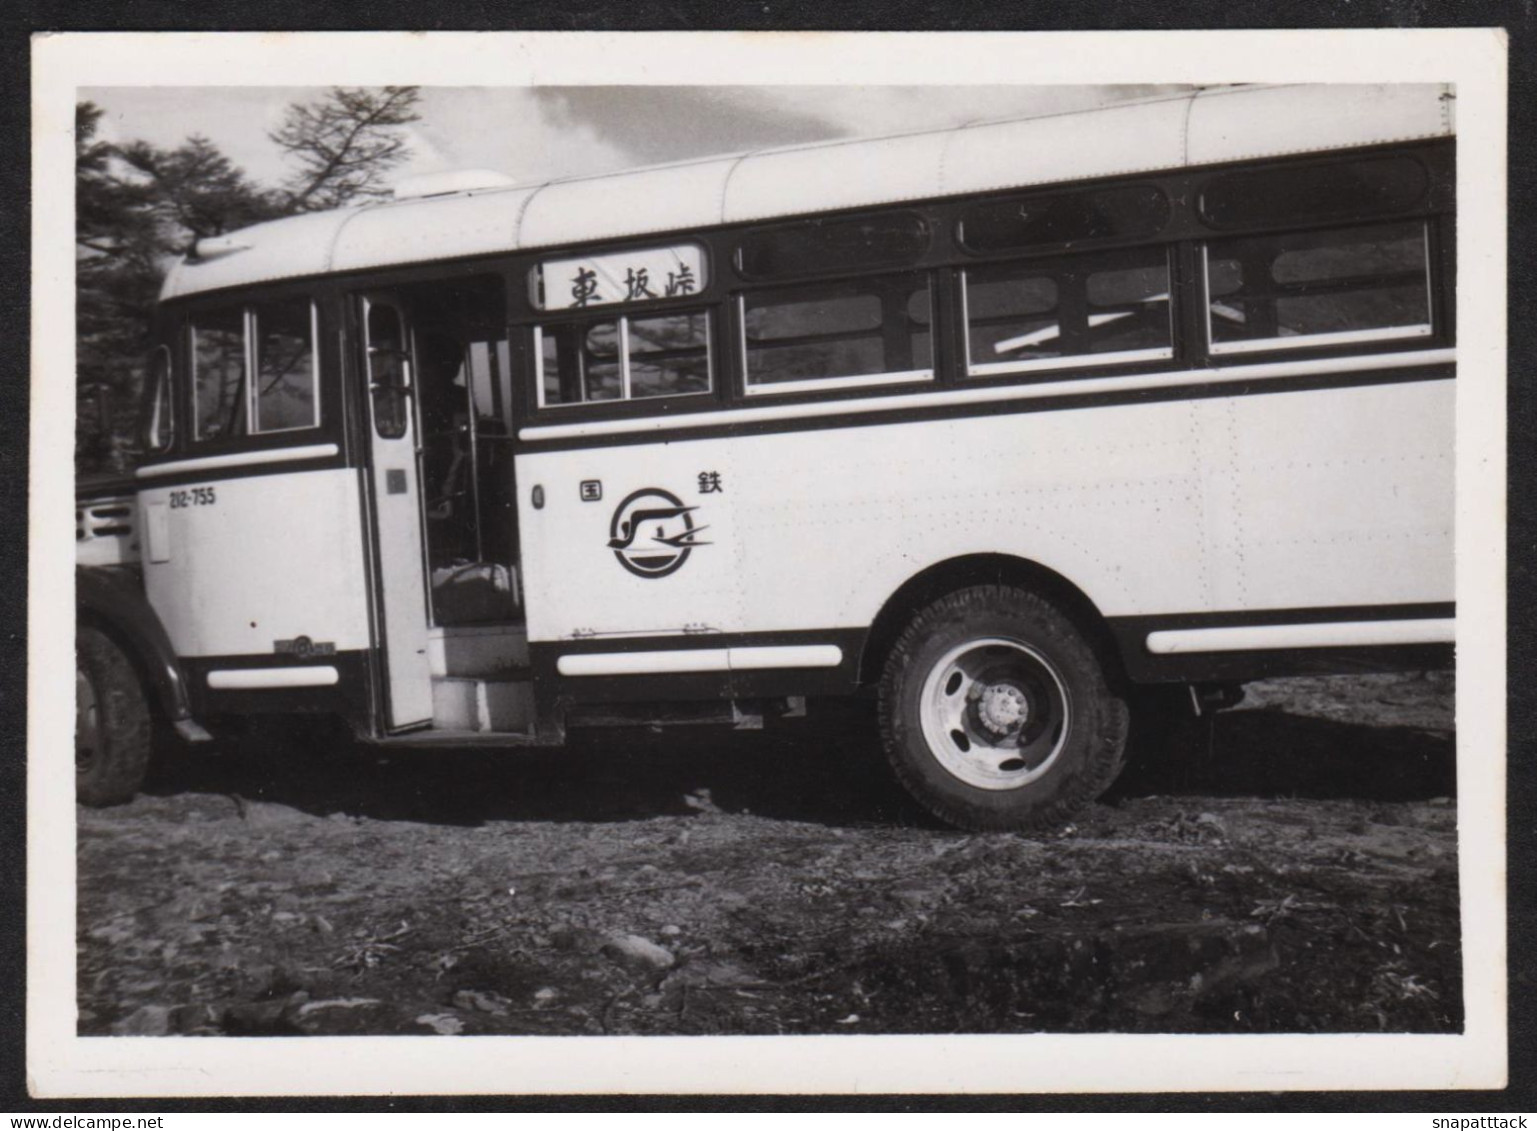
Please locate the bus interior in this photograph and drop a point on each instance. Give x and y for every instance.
(465, 417)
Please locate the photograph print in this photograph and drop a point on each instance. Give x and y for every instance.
(870, 559)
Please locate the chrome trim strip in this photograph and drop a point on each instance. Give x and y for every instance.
(859, 380)
(1338, 338)
(700, 660)
(238, 459)
(1081, 361)
(794, 656)
(1338, 634)
(264, 679)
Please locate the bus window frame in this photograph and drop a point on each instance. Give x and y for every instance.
(1416, 334)
(916, 378)
(332, 407)
(1153, 355)
(242, 313)
(944, 262)
(253, 337)
(621, 314)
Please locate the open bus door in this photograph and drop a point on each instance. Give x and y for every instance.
(394, 481)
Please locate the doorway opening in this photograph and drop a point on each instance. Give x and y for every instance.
(469, 498)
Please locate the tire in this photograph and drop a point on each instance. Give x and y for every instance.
(112, 722)
(996, 713)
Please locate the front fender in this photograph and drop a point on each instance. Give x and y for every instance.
(113, 600)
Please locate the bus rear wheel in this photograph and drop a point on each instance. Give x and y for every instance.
(996, 713)
(112, 722)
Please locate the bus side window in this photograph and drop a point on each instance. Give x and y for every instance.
(218, 374)
(578, 363)
(600, 362)
(814, 335)
(254, 370)
(558, 383)
(287, 377)
(1098, 308)
(625, 358)
(669, 354)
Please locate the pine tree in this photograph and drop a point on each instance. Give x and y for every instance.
(344, 144)
(139, 207)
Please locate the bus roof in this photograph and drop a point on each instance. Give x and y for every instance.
(1201, 128)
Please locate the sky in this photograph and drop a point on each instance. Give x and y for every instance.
(537, 133)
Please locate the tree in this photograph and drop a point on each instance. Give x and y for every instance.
(118, 252)
(196, 191)
(344, 144)
(138, 207)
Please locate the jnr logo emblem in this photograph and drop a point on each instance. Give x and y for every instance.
(303, 647)
(653, 532)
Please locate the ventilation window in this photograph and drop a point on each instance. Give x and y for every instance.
(1048, 221)
(825, 247)
(1345, 190)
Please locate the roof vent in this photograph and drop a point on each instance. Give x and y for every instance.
(211, 247)
(457, 180)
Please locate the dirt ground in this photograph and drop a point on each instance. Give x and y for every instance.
(1290, 866)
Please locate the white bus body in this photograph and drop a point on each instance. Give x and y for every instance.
(1003, 419)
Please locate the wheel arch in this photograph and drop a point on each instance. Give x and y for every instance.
(932, 583)
(120, 610)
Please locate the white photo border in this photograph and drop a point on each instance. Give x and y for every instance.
(62, 1064)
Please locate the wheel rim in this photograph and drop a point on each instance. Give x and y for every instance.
(995, 713)
(87, 722)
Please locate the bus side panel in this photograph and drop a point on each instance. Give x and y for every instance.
(833, 522)
(1311, 499)
(234, 565)
(1338, 497)
(576, 583)
(815, 529)
(1299, 499)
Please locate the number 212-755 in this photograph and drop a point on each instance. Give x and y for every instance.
(193, 497)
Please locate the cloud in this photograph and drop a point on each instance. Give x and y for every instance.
(872, 110)
(508, 129)
(538, 133)
(653, 124)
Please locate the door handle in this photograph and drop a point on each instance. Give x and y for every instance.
(536, 496)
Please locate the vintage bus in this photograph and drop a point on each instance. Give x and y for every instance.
(998, 425)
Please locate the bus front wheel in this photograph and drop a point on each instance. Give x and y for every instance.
(112, 722)
(996, 713)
